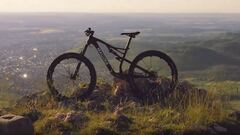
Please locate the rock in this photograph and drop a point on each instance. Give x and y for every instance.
(121, 122)
(95, 106)
(103, 131)
(75, 117)
(200, 130)
(64, 123)
(219, 129)
(55, 125)
(79, 92)
(235, 115)
(97, 95)
(15, 125)
(101, 93)
(121, 88)
(105, 89)
(33, 115)
(72, 117)
(60, 116)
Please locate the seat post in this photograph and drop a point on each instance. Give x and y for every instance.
(128, 43)
(127, 47)
(125, 53)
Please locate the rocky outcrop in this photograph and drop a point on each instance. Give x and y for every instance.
(71, 117)
(33, 115)
(214, 129)
(65, 123)
(123, 91)
(120, 121)
(15, 125)
(121, 88)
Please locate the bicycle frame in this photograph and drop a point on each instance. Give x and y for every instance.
(113, 50)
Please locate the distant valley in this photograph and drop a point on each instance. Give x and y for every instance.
(204, 46)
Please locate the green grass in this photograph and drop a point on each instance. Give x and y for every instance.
(235, 105)
(227, 89)
(8, 99)
(179, 113)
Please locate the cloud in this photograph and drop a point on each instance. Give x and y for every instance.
(47, 31)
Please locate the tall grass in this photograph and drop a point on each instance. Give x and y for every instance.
(185, 108)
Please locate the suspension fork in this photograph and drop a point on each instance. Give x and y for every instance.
(74, 76)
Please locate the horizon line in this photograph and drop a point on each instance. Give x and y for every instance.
(78, 12)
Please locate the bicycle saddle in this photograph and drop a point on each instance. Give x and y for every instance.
(131, 34)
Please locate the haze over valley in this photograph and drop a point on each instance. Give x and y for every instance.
(204, 46)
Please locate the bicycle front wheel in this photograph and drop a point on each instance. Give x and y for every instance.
(71, 76)
(152, 74)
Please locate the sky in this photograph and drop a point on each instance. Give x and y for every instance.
(153, 6)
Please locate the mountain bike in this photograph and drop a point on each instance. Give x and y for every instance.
(73, 72)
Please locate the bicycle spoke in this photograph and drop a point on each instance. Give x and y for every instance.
(62, 74)
(150, 62)
(145, 64)
(62, 77)
(150, 72)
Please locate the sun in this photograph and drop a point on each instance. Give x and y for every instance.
(25, 76)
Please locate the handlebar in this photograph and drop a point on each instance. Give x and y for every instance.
(89, 32)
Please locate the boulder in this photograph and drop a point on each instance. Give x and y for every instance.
(219, 129)
(15, 125)
(235, 115)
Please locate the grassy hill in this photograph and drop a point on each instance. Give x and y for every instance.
(199, 58)
(173, 115)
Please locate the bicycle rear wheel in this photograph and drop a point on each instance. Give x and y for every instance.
(61, 80)
(152, 74)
